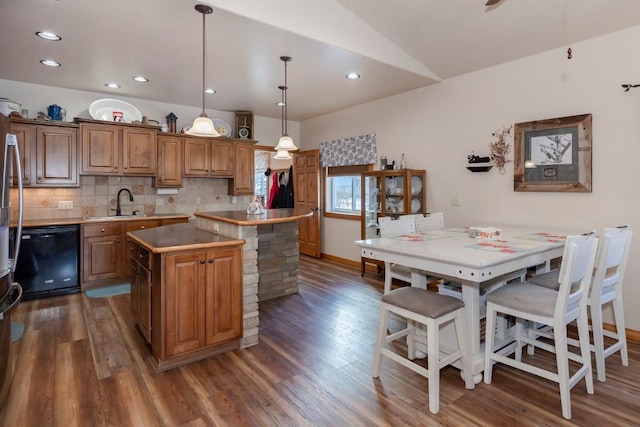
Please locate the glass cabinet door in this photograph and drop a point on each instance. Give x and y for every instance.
(372, 205)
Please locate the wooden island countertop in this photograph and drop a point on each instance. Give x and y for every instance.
(179, 237)
(270, 216)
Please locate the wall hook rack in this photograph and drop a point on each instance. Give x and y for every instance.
(629, 86)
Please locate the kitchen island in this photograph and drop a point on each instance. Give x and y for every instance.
(186, 293)
(271, 251)
(195, 287)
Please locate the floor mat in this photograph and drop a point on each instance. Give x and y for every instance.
(109, 291)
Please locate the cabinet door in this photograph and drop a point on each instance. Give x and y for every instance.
(26, 135)
(134, 295)
(169, 162)
(223, 296)
(100, 149)
(197, 157)
(56, 156)
(139, 151)
(242, 183)
(102, 258)
(222, 159)
(184, 302)
(144, 316)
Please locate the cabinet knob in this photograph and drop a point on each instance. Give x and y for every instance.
(142, 227)
(102, 230)
(39, 178)
(202, 261)
(210, 260)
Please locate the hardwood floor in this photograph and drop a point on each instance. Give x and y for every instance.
(81, 362)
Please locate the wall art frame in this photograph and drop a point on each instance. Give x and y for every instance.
(553, 155)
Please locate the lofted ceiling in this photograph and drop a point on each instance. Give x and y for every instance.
(395, 46)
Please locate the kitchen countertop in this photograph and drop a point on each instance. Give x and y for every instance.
(270, 216)
(180, 237)
(84, 220)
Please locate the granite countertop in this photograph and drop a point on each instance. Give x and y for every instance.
(270, 216)
(84, 220)
(179, 237)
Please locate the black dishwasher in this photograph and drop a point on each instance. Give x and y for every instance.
(48, 262)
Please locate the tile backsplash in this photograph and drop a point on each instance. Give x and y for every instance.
(96, 196)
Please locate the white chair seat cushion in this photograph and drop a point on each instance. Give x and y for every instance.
(422, 302)
(526, 297)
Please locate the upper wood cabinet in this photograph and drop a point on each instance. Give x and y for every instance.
(115, 149)
(49, 154)
(170, 162)
(208, 157)
(244, 171)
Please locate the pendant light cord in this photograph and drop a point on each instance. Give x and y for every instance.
(203, 59)
(285, 97)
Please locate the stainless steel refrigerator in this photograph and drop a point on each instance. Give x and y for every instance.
(10, 292)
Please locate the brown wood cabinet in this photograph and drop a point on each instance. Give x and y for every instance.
(244, 170)
(140, 259)
(203, 299)
(207, 157)
(169, 172)
(116, 149)
(49, 154)
(106, 250)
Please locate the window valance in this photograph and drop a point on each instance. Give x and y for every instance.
(355, 150)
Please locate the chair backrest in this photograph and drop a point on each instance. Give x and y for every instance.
(431, 222)
(575, 275)
(390, 227)
(611, 260)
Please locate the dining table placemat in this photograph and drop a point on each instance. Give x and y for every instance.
(544, 237)
(423, 235)
(506, 246)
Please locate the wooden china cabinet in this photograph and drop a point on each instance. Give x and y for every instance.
(390, 193)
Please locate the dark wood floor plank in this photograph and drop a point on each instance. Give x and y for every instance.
(83, 362)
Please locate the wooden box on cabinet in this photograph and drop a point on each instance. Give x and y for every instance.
(390, 193)
(244, 124)
(117, 149)
(49, 154)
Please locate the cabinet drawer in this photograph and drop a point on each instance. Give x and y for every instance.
(102, 229)
(142, 225)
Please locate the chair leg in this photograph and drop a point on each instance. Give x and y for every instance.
(488, 343)
(585, 349)
(598, 340)
(520, 330)
(380, 340)
(621, 332)
(562, 362)
(433, 366)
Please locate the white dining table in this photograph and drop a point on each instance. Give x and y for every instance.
(474, 263)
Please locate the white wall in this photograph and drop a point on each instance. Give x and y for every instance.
(436, 127)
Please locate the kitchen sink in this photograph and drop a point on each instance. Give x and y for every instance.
(111, 218)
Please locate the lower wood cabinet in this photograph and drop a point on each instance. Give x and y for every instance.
(106, 250)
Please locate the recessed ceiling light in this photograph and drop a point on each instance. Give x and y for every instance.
(140, 79)
(112, 85)
(353, 76)
(209, 91)
(48, 36)
(50, 63)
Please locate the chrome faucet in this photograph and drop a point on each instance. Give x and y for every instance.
(118, 209)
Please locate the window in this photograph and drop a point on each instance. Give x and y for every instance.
(342, 189)
(260, 184)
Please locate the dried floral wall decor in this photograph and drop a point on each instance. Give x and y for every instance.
(499, 149)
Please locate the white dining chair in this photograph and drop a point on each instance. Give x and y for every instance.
(606, 288)
(430, 222)
(390, 227)
(556, 308)
(421, 307)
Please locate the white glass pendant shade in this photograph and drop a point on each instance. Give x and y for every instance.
(203, 126)
(286, 144)
(282, 155)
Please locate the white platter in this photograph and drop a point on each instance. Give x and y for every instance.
(416, 185)
(102, 109)
(222, 127)
(416, 204)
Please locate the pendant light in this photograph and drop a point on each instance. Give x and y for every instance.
(283, 155)
(285, 143)
(202, 125)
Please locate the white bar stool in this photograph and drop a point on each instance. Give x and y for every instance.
(432, 310)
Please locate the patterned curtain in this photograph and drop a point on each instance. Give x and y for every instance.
(355, 150)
